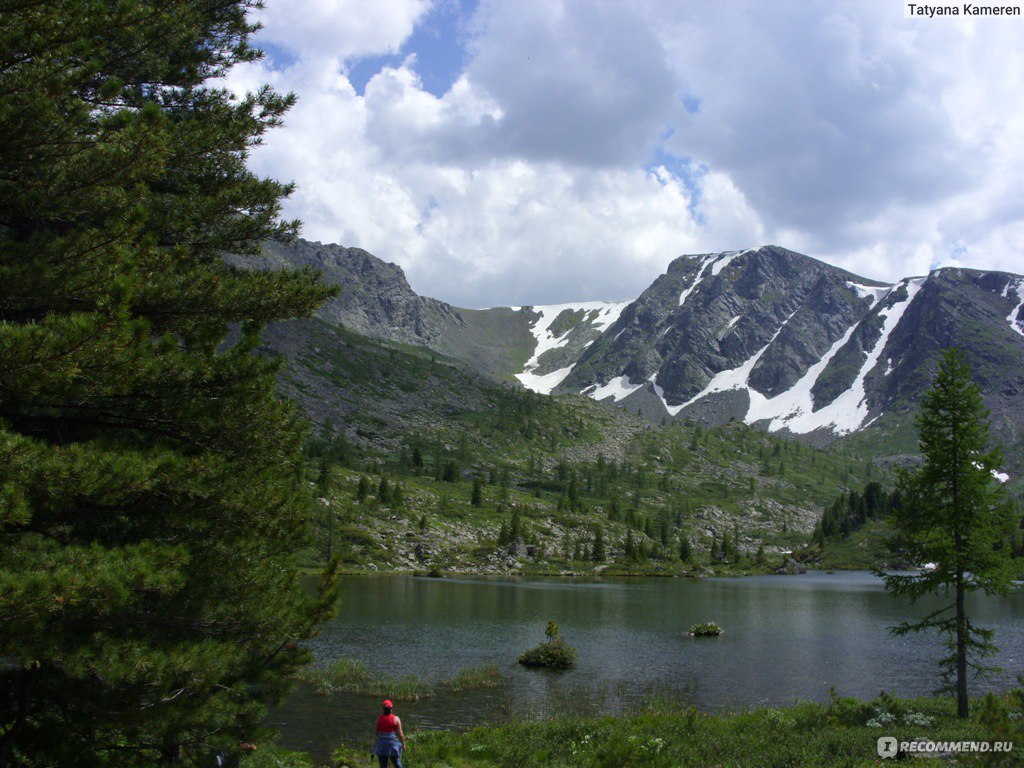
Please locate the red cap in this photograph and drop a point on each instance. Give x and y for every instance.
(387, 703)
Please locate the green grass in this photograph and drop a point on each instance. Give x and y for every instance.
(355, 677)
(487, 676)
(840, 734)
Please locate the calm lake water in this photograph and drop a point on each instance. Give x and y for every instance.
(787, 638)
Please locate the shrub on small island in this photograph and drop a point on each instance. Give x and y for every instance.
(710, 629)
(553, 653)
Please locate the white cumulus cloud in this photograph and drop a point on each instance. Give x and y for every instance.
(582, 145)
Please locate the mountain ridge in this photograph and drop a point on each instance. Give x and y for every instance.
(768, 336)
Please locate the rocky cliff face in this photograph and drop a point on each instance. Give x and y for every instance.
(766, 336)
(375, 298)
(785, 342)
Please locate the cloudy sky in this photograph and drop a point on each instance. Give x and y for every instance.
(540, 151)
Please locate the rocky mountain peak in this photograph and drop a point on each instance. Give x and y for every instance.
(765, 335)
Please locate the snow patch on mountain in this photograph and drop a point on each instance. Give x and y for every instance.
(874, 292)
(599, 316)
(717, 262)
(1017, 288)
(723, 381)
(794, 408)
(848, 412)
(696, 280)
(617, 389)
(543, 383)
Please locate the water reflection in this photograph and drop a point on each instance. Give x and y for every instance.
(787, 638)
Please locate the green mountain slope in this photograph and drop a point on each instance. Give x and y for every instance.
(550, 471)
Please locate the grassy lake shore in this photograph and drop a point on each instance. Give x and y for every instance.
(842, 733)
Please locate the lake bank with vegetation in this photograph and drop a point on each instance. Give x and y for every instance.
(840, 733)
(820, 630)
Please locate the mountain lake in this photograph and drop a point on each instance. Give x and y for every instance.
(787, 638)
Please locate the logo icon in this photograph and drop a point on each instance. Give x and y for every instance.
(887, 746)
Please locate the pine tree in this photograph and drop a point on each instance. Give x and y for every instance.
(363, 489)
(685, 549)
(477, 498)
(516, 527)
(152, 489)
(327, 516)
(955, 515)
(613, 510)
(598, 552)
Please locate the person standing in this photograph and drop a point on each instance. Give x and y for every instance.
(389, 738)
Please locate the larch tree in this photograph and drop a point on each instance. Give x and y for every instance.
(152, 490)
(956, 518)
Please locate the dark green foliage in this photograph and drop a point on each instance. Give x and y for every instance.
(851, 510)
(416, 459)
(598, 553)
(708, 629)
(716, 553)
(384, 491)
(553, 653)
(629, 548)
(477, 499)
(685, 549)
(511, 530)
(363, 489)
(955, 516)
(152, 489)
(450, 474)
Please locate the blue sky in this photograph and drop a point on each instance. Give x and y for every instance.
(438, 41)
(539, 151)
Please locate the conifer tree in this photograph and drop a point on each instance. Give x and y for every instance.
(955, 515)
(727, 551)
(685, 549)
(598, 551)
(363, 489)
(152, 489)
(515, 529)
